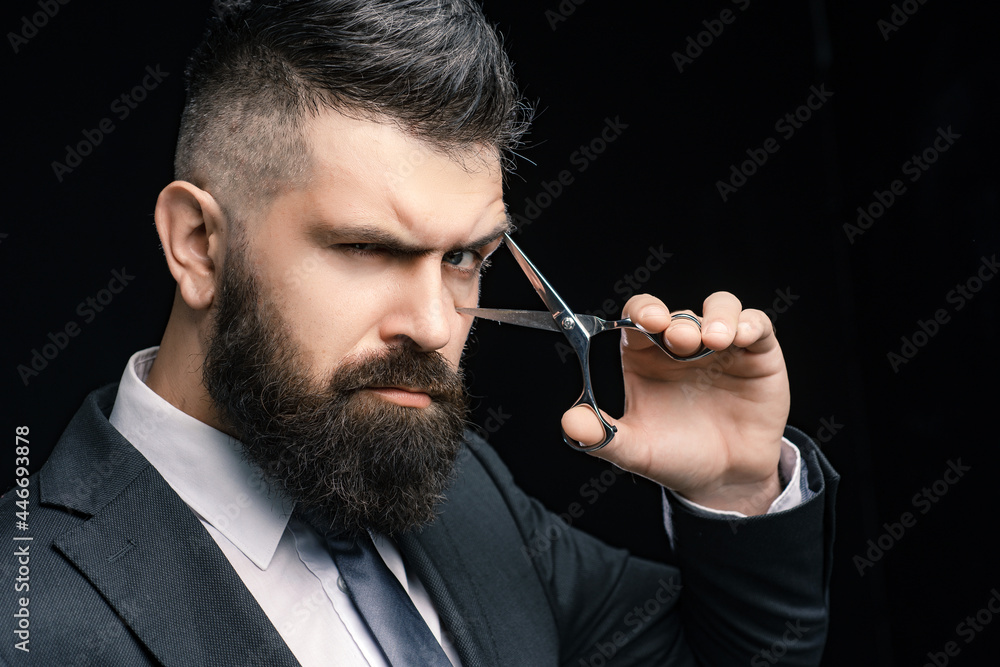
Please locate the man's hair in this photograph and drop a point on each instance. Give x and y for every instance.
(436, 68)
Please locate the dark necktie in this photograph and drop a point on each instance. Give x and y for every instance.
(388, 611)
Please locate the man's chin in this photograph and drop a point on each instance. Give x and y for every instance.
(392, 500)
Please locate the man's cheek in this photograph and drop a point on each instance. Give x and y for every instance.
(453, 351)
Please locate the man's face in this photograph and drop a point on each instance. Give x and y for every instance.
(380, 247)
(336, 345)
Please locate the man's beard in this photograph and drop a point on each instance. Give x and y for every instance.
(349, 458)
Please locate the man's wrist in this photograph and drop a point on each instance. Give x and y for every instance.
(749, 499)
(791, 467)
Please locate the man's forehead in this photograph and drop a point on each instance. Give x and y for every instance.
(372, 177)
(349, 140)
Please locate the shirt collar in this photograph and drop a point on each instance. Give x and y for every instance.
(202, 464)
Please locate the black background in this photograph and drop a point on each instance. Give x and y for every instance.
(890, 432)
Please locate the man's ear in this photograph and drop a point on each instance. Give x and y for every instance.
(192, 227)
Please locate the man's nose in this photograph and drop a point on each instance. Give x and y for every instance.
(424, 311)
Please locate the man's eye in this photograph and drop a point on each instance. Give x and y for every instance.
(360, 249)
(463, 259)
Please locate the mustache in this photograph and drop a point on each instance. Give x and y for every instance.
(400, 366)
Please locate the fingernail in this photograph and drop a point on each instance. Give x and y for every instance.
(718, 327)
(653, 311)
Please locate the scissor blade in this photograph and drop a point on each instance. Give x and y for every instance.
(536, 319)
(549, 296)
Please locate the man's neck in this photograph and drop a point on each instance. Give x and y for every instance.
(176, 374)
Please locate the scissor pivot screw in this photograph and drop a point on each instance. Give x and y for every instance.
(568, 323)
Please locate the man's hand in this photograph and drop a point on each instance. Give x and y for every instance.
(708, 429)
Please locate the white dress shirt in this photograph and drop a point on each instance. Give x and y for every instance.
(283, 562)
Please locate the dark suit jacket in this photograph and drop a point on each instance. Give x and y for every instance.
(123, 573)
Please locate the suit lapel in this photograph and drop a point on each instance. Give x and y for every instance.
(487, 595)
(148, 554)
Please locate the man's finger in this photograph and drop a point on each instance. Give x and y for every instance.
(721, 318)
(649, 313)
(683, 336)
(755, 332)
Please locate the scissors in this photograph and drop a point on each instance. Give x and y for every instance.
(578, 329)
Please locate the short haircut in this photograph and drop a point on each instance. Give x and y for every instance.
(434, 67)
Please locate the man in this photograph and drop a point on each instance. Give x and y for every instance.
(339, 189)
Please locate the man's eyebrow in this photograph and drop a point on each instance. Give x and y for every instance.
(504, 227)
(326, 235)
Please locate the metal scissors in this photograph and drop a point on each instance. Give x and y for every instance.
(578, 329)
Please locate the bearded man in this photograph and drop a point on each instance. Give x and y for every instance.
(287, 478)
